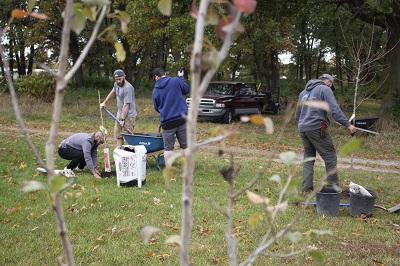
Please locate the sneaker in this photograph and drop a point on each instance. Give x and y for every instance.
(79, 170)
(68, 173)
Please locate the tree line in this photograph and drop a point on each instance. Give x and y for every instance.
(313, 32)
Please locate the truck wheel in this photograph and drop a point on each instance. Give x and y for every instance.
(227, 118)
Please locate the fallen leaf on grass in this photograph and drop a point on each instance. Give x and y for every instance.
(356, 233)
(139, 215)
(375, 262)
(95, 247)
(100, 238)
(34, 229)
(163, 256)
(149, 254)
(157, 201)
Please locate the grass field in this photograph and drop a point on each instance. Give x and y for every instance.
(104, 220)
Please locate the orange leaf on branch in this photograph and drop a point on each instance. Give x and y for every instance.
(18, 13)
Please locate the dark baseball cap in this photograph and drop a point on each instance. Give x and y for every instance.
(330, 78)
(119, 73)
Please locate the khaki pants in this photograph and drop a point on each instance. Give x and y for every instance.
(118, 130)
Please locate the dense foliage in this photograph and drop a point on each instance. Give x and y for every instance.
(316, 43)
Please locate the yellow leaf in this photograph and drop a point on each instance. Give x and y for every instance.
(257, 119)
(121, 54)
(165, 7)
(215, 131)
(254, 219)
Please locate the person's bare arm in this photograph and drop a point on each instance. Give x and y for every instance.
(109, 97)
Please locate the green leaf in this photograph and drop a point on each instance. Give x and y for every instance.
(316, 255)
(276, 178)
(121, 54)
(91, 13)
(124, 19)
(212, 16)
(31, 5)
(292, 185)
(174, 155)
(294, 236)
(32, 185)
(350, 147)
(288, 157)
(165, 7)
(147, 232)
(314, 233)
(57, 183)
(309, 159)
(96, 2)
(174, 239)
(78, 22)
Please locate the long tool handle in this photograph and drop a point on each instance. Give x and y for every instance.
(362, 129)
(101, 113)
(116, 119)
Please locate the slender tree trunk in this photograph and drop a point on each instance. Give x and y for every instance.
(30, 62)
(141, 70)
(75, 51)
(391, 101)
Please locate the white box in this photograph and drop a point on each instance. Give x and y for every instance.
(130, 163)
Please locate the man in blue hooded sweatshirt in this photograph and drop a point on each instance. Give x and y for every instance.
(169, 101)
(313, 123)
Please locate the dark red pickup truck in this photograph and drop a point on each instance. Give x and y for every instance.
(226, 99)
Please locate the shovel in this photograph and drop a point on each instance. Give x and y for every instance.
(116, 119)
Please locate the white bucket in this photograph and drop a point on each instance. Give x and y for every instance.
(130, 163)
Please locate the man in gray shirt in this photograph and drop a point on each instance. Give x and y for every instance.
(313, 123)
(81, 149)
(125, 94)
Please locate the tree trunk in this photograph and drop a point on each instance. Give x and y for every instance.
(141, 71)
(391, 100)
(75, 52)
(275, 77)
(30, 62)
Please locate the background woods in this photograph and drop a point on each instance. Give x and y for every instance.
(315, 43)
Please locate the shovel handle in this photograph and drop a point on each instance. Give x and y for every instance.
(116, 119)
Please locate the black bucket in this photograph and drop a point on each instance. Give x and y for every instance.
(328, 201)
(360, 204)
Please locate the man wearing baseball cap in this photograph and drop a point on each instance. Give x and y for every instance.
(313, 123)
(125, 94)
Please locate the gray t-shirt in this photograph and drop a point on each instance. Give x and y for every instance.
(83, 142)
(125, 94)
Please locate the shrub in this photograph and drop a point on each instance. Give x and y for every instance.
(39, 85)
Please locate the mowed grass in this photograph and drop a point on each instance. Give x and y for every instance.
(104, 220)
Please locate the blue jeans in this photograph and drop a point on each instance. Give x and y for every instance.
(312, 143)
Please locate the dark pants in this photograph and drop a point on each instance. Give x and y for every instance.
(312, 143)
(76, 157)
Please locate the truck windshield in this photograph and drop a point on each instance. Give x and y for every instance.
(224, 89)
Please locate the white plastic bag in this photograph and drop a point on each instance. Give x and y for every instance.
(357, 189)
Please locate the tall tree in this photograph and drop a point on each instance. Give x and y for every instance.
(385, 14)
